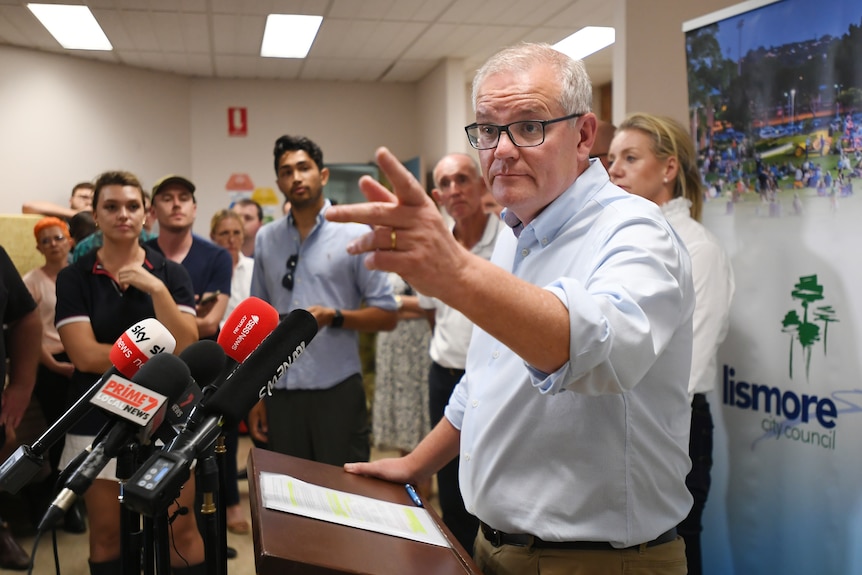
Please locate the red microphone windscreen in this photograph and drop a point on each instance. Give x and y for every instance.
(247, 325)
(139, 343)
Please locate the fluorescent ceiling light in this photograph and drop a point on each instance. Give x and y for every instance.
(74, 27)
(586, 41)
(289, 35)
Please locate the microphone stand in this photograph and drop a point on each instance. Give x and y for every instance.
(221, 453)
(131, 534)
(207, 474)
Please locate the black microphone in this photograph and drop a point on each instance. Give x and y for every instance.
(205, 360)
(142, 341)
(156, 483)
(138, 403)
(255, 377)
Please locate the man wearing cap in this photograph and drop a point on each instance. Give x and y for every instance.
(210, 266)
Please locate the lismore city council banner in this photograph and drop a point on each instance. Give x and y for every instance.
(775, 103)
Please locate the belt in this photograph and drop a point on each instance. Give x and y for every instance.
(452, 371)
(498, 538)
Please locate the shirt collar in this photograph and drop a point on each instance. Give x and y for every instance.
(567, 205)
(676, 206)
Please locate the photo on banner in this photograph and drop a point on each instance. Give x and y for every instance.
(775, 109)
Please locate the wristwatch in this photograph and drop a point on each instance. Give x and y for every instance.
(338, 320)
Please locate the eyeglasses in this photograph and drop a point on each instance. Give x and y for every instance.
(287, 280)
(52, 239)
(524, 134)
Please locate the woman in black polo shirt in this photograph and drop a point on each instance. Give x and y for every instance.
(98, 298)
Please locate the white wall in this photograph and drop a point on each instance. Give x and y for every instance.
(64, 120)
(348, 120)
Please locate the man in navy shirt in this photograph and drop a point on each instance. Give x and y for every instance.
(209, 265)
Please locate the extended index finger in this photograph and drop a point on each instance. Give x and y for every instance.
(405, 186)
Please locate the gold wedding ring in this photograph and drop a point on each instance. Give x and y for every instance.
(392, 237)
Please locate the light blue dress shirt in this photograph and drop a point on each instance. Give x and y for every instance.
(325, 275)
(598, 450)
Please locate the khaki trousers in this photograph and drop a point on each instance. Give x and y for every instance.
(665, 559)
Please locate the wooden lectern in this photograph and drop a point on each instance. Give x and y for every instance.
(285, 543)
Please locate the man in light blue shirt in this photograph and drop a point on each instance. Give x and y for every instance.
(571, 422)
(318, 409)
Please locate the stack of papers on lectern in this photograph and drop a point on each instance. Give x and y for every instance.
(286, 493)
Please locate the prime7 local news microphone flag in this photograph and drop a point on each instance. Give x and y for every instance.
(158, 481)
(137, 406)
(138, 344)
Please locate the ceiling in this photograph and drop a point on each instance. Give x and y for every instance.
(359, 40)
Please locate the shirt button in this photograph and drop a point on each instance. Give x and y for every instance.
(467, 457)
(525, 252)
(495, 354)
(475, 403)
(544, 241)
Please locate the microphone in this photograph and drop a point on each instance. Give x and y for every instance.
(205, 360)
(265, 365)
(138, 403)
(247, 325)
(158, 481)
(142, 341)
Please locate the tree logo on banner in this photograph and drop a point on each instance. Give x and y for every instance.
(805, 330)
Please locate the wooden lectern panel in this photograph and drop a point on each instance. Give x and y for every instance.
(285, 543)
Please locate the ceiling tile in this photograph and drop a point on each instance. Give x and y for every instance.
(360, 40)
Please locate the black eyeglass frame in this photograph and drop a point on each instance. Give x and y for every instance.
(287, 280)
(505, 128)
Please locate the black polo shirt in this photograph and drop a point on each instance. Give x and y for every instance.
(87, 292)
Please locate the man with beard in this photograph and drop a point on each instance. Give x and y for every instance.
(317, 410)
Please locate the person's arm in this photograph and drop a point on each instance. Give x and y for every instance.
(47, 209)
(64, 368)
(429, 258)
(367, 319)
(257, 423)
(713, 288)
(210, 315)
(23, 362)
(409, 308)
(181, 325)
(437, 449)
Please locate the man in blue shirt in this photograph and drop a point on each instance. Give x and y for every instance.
(210, 266)
(317, 410)
(571, 422)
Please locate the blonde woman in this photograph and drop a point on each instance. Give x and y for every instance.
(226, 230)
(654, 158)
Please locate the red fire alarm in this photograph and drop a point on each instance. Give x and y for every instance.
(237, 122)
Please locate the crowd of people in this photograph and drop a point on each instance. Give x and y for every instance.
(550, 363)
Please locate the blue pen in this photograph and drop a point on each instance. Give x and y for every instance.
(413, 495)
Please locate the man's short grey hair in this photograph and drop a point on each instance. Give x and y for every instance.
(576, 90)
(477, 171)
